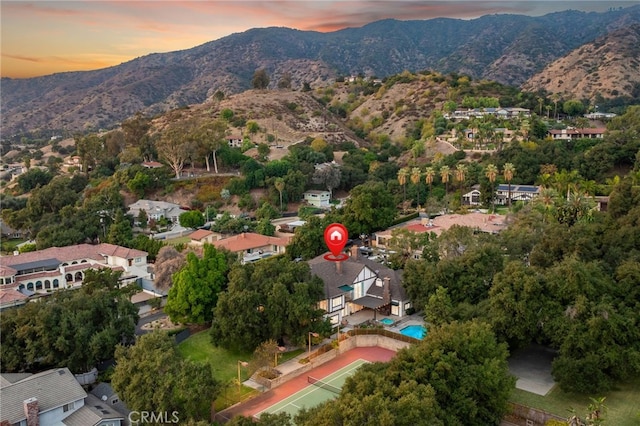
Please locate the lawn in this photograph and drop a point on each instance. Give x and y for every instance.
(178, 240)
(621, 403)
(224, 364)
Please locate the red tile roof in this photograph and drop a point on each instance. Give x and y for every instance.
(10, 295)
(248, 240)
(200, 234)
(71, 253)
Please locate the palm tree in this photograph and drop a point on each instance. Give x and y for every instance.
(279, 184)
(445, 172)
(415, 179)
(461, 175)
(508, 172)
(492, 173)
(429, 174)
(403, 173)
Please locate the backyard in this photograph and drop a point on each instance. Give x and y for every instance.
(224, 364)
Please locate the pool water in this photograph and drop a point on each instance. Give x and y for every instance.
(387, 321)
(415, 331)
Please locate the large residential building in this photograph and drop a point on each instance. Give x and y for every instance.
(359, 283)
(51, 269)
(318, 198)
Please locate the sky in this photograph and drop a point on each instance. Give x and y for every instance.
(46, 37)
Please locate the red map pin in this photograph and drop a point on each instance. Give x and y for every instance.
(335, 236)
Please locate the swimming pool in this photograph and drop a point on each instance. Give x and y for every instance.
(387, 321)
(415, 331)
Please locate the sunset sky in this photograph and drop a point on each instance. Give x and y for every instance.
(46, 37)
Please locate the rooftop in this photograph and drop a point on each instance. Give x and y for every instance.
(249, 240)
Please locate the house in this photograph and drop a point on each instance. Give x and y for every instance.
(479, 222)
(203, 236)
(568, 134)
(523, 193)
(472, 198)
(52, 397)
(8, 232)
(105, 393)
(156, 210)
(359, 283)
(317, 198)
(51, 269)
(252, 247)
(151, 164)
(235, 141)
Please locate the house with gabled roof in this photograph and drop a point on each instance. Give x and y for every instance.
(156, 210)
(51, 398)
(358, 283)
(252, 247)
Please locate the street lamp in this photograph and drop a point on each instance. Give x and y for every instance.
(240, 364)
(275, 360)
(311, 334)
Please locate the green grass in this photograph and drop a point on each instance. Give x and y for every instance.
(621, 403)
(9, 245)
(224, 363)
(178, 240)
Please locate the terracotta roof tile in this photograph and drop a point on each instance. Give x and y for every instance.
(249, 240)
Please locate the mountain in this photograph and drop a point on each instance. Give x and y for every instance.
(609, 67)
(506, 48)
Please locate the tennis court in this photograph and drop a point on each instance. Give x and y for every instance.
(317, 391)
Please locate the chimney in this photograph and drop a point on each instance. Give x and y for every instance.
(31, 411)
(339, 268)
(354, 251)
(386, 290)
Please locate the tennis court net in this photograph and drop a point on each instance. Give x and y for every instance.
(323, 385)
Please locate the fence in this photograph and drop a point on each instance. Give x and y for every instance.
(522, 415)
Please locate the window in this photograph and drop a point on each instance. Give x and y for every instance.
(67, 407)
(138, 260)
(336, 303)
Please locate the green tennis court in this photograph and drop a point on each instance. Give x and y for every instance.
(327, 388)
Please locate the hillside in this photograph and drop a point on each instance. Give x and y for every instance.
(504, 48)
(609, 67)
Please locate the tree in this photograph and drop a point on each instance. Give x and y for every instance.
(260, 79)
(371, 207)
(429, 174)
(279, 185)
(508, 171)
(192, 219)
(457, 375)
(152, 373)
(212, 135)
(265, 227)
(460, 175)
(271, 299)
(573, 107)
(120, 232)
(88, 149)
(136, 136)
(416, 173)
(196, 287)
(491, 172)
(168, 262)
(285, 81)
(82, 326)
(172, 147)
(403, 174)
(328, 177)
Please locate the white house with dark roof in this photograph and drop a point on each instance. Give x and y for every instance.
(51, 398)
(156, 210)
(54, 268)
(359, 283)
(523, 193)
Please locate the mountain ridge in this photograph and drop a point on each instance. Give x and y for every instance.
(504, 48)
